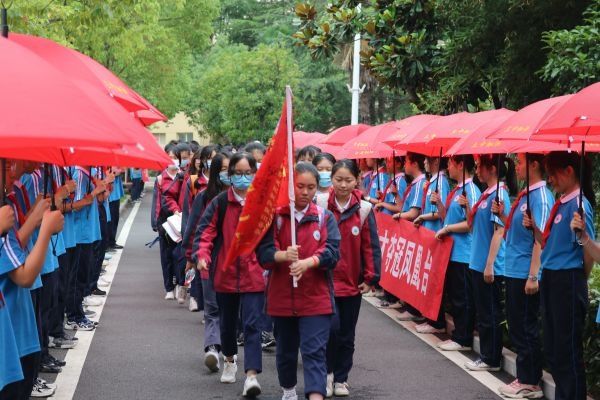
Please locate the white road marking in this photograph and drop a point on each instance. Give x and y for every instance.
(68, 379)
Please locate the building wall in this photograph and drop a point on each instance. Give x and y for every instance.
(177, 128)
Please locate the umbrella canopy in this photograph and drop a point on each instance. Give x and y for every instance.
(342, 135)
(302, 139)
(408, 127)
(369, 144)
(80, 67)
(62, 112)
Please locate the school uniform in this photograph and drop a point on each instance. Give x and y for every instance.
(389, 197)
(114, 203)
(442, 186)
(240, 284)
(135, 174)
(10, 363)
(523, 310)
(378, 183)
(18, 303)
(302, 315)
(488, 296)
(458, 284)
(366, 181)
(100, 246)
(360, 261)
(564, 293)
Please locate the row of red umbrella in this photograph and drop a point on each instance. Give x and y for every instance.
(558, 123)
(59, 106)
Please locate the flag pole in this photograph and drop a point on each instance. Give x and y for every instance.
(290, 157)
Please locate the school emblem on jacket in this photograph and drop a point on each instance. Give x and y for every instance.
(558, 218)
(355, 230)
(483, 205)
(317, 235)
(523, 207)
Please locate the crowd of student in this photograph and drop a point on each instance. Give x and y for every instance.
(58, 226)
(535, 254)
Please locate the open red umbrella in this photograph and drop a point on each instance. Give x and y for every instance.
(342, 135)
(408, 127)
(369, 144)
(302, 139)
(80, 67)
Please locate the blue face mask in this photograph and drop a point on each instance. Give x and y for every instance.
(325, 179)
(224, 177)
(241, 182)
(184, 163)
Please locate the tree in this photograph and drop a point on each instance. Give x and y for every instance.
(240, 91)
(149, 43)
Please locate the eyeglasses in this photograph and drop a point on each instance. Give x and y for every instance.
(247, 174)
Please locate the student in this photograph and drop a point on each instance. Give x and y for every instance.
(257, 150)
(307, 153)
(412, 203)
(20, 267)
(302, 314)
(240, 284)
(114, 202)
(101, 176)
(365, 176)
(218, 182)
(522, 272)
(378, 182)
(566, 267)
(324, 163)
(438, 183)
(135, 174)
(487, 258)
(356, 272)
(392, 194)
(458, 285)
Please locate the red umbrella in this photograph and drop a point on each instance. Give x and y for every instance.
(41, 107)
(369, 144)
(80, 67)
(407, 127)
(302, 139)
(342, 135)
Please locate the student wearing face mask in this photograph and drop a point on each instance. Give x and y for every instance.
(324, 163)
(240, 284)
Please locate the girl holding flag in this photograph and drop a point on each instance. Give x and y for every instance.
(239, 284)
(487, 258)
(356, 272)
(522, 272)
(566, 267)
(302, 310)
(459, 284)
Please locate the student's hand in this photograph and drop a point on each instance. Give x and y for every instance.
(100, 187)
(298, 268)
(435, 198)
(7, 218)
(527, 221)
(39, 208)
(497, 207)
(462, 201)
(578, 225)
(378, 195)
(292, 253)
(189, 265)
(52, 222)
(364, 288)
(110, 177)
(488, 274)
(393, 189)
(202, 265)
(378, 206)
(418, 221)
(441, 234)
(70, 185)
(397, 216)
(531, 287)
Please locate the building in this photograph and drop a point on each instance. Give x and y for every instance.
(177, 128)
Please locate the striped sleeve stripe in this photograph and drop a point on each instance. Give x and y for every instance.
(415, 192)
(545, 207)
(473, 197)
(11, 253)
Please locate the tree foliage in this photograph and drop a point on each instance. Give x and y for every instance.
(148, 43)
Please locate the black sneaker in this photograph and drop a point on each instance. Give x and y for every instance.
(117, 247)
(98, 292)
(54, 360)
(240, 339)
(49, 367)
(267, 340)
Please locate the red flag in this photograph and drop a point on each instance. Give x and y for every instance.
(268, 191)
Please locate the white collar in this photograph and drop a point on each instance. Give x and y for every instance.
(435, 176)
(399, 175)
(568, 197)
(239, 198)
(466, 182)
(417, 179)
(536, 186)
(492, 189)
(300, 214)
(341, 207)
(205, 177)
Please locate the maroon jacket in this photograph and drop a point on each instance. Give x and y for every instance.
(360, 252)
(317, 235)
(213, 239)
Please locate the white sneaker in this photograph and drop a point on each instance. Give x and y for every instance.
(105, 263)
(193, 307)
(50, 385)
(92, 301)
(289, 394)
(170, 295)
(329, 387)
(251, 387)
(41, 390)
(180, 293)
(406, 316)
(211, 359)
(479, 365)
(103, 282)
(341, 389)
(451, 345)
(229, 371)
(426, 328)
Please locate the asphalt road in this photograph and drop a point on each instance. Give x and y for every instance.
(150, 348)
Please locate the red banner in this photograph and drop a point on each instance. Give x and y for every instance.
(268, 190)
(413, 264)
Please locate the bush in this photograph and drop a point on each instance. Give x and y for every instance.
(591, 337)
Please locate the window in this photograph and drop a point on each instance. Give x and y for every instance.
(160, 138)
(185, 136)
